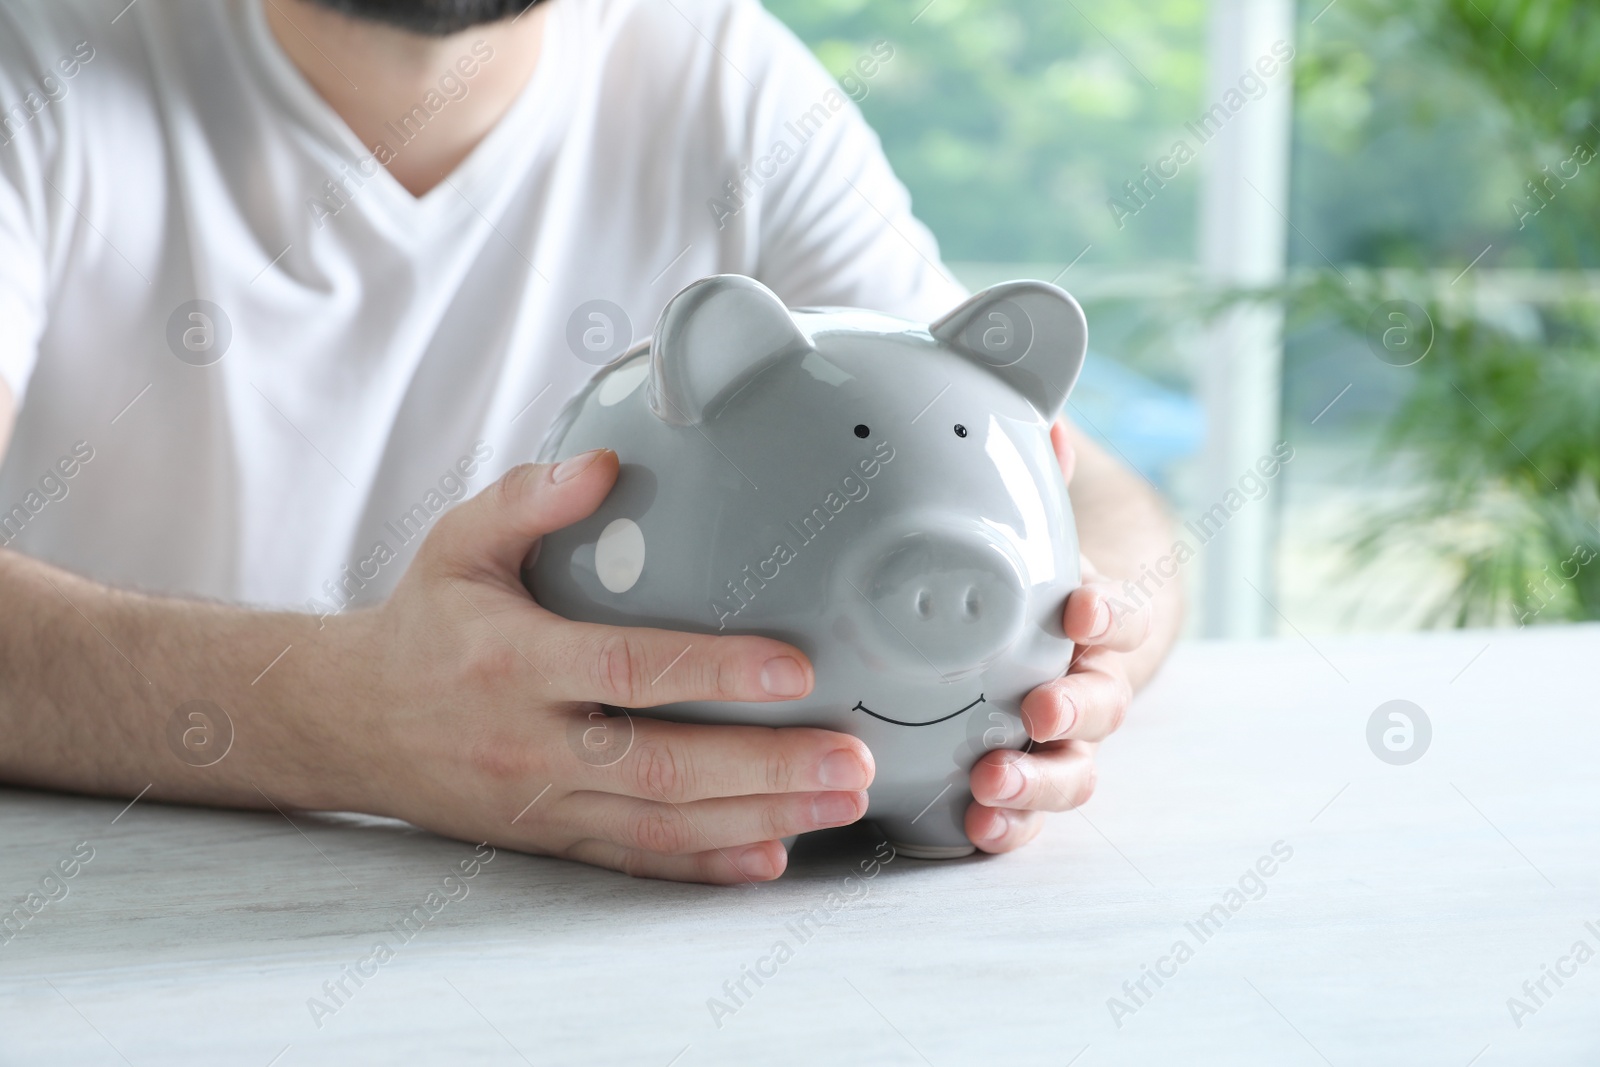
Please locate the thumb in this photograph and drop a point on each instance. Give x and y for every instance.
(492, 533)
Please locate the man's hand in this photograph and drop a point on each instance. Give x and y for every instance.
(486, 723)
(1068, 717)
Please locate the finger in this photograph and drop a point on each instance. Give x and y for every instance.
(1057, 776)
(1087, 705)
(493, 532)
(725, 823)
(753, 863)
(1001, 830)
(636, 667)
(1066, 455)
(1094, 615)
(681, 762)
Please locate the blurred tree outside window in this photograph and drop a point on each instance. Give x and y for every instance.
(1446, 151)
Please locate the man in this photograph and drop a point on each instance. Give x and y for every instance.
(281, 279)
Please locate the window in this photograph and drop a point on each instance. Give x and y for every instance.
(1425, 181)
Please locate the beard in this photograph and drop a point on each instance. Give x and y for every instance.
(433, 18)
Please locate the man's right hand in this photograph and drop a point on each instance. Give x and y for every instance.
(466, 708)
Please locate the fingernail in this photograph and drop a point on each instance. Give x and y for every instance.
(569, 469)
(1011, 784)
(999, 823)
(755, 863)
(1070, 720)
(783, 677)
(835, 809)
(1102, 619)
(842, 770)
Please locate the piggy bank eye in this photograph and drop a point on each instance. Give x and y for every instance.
(961, 431)
(861, 429)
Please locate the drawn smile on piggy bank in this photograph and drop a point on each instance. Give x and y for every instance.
(861, 706)
(881, 494)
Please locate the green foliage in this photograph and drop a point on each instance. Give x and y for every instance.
(1500, 425)
(1419, 125)
(1013, 122)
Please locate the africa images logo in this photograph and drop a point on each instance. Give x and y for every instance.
(754, 175)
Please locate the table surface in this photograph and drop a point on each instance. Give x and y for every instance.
(1414, 903)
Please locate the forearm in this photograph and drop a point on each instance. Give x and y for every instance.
(1124, 528)
(91, 679)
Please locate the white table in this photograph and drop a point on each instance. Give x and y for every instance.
(1418, 899)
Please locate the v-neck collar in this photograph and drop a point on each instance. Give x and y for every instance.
(536, 117)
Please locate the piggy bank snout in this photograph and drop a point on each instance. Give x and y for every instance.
(950, 601)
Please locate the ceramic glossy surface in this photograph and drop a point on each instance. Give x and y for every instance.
(879, 493)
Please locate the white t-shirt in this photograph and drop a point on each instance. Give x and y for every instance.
(381, 355)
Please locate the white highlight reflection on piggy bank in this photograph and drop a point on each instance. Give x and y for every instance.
(880, 494)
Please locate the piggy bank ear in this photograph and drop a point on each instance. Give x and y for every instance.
(713, 337)
(1031, 334)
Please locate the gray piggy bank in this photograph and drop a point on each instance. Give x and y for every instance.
(880, 494)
